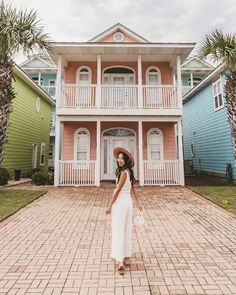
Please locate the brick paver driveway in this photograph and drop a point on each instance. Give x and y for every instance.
(60, 244)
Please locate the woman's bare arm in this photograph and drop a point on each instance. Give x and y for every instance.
(118, 188)
(134, 190)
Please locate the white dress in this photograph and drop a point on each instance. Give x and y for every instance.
(122, 211)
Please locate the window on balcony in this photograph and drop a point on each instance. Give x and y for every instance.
(84, 76)
(155, 145)
(82, 145)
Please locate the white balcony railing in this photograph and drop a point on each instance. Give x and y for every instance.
(51, 90)
(77, 173)
(78, 96)
(185, 89)
(165, 172)
(160, 96)
(119, 96)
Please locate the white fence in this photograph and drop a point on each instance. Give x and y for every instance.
(165, 172)
(78, 96)
(119, 96)
(51, 90)
(77, 173)
(160, 96)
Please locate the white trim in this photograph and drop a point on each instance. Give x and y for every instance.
(199, 60)
(75, 144)
(113, 28)
(140, 153)
(158, 74)
(35, 154)
(148, 145)
(42, 148)
(98, 155)
(78, 72)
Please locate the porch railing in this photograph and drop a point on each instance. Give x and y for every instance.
(77, 173)
(185, 89)
(51, 90)
(119, 96)
(160, 96)
(165, 172)
(78, 96)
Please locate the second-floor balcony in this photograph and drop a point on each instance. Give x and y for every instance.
(122, 97)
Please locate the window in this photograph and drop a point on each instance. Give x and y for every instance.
(42, 154)
(37, 104)
(36, 80)
(84, 76)
(155, 145)
(52, 122)
(217, 94)
(51, 152)
(195, 81)
(153, 76)
(82, 145)
(118, 37)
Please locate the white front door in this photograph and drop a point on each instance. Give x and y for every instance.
(108, 161)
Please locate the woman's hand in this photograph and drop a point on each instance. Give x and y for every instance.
(108, 210)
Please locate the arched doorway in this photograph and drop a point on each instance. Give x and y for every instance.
(112, 138)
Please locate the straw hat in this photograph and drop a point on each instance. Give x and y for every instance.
(122, 150)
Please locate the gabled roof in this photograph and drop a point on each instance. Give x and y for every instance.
(196, 63)
(212, 75)
(38, 61)
(21, 74)
(121, 28)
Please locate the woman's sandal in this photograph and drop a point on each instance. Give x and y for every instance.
(121, 269)
(126, 261)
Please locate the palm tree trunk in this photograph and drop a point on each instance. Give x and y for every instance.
(6, 96)
(230, 94)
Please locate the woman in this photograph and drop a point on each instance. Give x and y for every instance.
(121, 207)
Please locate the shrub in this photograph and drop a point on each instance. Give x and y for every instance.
(34, 171)
(43, 178)
(4, 176)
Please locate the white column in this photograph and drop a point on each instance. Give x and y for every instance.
(191, 79)
(140, 92)
(179, 82)
(98, 155)
(180, 151)
(58, 82)
(98, 87)
(57, 150)
(140, 152)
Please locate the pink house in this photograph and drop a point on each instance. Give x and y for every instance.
(118, 89)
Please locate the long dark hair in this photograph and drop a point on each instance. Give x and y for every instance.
(128, 166)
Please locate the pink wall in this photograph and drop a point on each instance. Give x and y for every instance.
(109, 38)
(169, 144)
(70, 70)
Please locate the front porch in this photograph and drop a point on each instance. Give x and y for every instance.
(85, 150)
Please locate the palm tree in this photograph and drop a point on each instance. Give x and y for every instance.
(222, 48)
(19, 31)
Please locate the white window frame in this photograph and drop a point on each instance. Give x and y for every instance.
(75, 145)
(53, 120)
(148, 145)
(42, 148)
(49, 81)
(214, 83)
(158, 74)
(199, 79)
(192, 149)
(53, 151)
(78, 73)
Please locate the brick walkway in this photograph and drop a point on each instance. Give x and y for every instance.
(60, 244)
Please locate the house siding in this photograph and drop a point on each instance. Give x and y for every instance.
(210, 132)
(26, 127)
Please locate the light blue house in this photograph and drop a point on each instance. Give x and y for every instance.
(207, 138)
(42, 70)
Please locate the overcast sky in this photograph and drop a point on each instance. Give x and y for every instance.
(155, 20)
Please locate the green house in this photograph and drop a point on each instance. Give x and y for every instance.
(28, 133)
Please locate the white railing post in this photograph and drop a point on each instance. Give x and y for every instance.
(98, 155)
(179, 82)
(57, 150)
(140, 152)
(180, 151)
(140, 90)
(98, 87)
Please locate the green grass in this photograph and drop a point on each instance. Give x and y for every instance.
(225, 196)
(13, 199)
